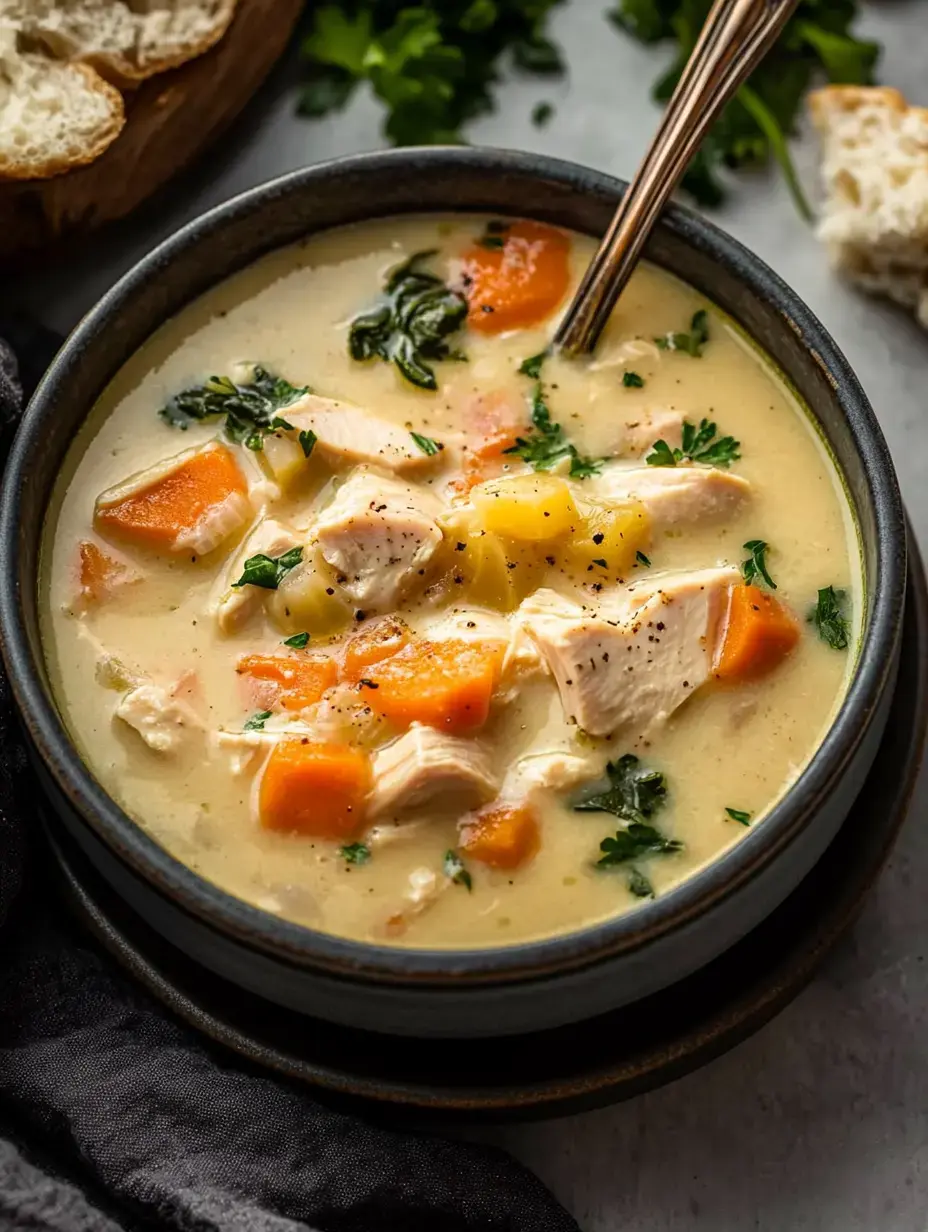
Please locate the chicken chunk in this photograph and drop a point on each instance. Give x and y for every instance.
(378, 534)
(348, 435)
(656, 424)
(163, 721)
(232, 606)
(426, 764)
(633, 663)
(673, 494)
(553, 771)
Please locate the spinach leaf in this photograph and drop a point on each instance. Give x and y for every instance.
(250, 409)
(269, 571)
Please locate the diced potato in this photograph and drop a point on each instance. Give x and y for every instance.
(309, 599)
(530, 508)
(493, 572)
(284, 458)
(610, 533)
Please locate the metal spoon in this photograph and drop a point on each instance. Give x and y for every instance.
(736, 37)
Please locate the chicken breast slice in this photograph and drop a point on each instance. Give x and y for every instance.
(163, 721)
(672, 494)
(378, 534)
(631, 665)
(232, 606)
(425, 764)
(348, 435)
(551, 771)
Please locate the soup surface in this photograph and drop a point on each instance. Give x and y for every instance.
(395, 626)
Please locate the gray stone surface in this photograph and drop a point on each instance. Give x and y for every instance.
(818, 1123)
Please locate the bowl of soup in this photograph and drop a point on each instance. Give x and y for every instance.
(410, 674)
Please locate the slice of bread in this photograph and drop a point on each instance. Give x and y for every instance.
(124, 41)
(53, 115)
(875, 172)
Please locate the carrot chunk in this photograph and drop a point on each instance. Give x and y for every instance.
(99, 573)
(378, 641)
(759, 634)
(296, 681)
(503, 837)
(314, 789)
(520, 283)
(192, 503)
(442, 684)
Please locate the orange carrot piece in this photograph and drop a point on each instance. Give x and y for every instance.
(99, 573)
(297, 681)
(314, 789)
(378, 641)
(519, 284)
(759, 634)
(493, 424)
(442, 684)
(503, 837)
(164, 513)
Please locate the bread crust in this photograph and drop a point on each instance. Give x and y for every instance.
(828, 100)
(12, 170)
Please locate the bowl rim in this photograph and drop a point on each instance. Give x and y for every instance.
(306, 948)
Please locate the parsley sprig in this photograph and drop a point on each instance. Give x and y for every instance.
(267, 572)
(251, 409)
(756, 564)
(454, 870)
(692, 343)
(699, 444)
(830, 617)
(634, 795)
(549, 445)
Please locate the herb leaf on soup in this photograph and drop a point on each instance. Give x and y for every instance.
(700, 443)
(355, 853)
(268, 572)
(756, 564)
(532, 366)
(743, 818)
(633, 793)
(299, 641)
(455, 871)
(412, 325)
(308, 440)
(636, 840)
(632, 380)
(548, 446)
(830, 617)
(250, 408)
(426, 444)
(257, 721)
(638, 884)
(691, 343)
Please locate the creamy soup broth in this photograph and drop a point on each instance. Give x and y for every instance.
(146, 618)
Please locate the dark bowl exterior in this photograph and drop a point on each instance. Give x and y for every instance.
(515, 988)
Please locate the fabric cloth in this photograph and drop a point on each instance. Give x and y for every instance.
(115, 1117)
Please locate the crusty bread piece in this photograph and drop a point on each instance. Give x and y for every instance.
(875, 172)
(124, 42)
(53, 115)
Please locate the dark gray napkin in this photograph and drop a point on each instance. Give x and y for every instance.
(113, 1116)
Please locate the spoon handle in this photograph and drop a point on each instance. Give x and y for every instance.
(736, 36)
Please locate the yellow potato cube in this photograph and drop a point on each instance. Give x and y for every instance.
(309, 599)
(484, 569)
(529, 508)
(609, 533)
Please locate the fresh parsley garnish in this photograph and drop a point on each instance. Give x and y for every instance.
(756, 564)
(433, 66)
(739, 815)
(532, 366)
(634, 794)
(412, 323)
(257, 721)
(699, 445)
(494, 235)
(643, 560)
(250, 409)
(269, 571)
(455, 871)
(355, 853)
(299, 641)
(691, 343)
(637, 840)
(639, 885)
(308, 440)
(426, 444)
(542, 113)
(549, 446)
(830, 618)
(632, 380)
(816, 42)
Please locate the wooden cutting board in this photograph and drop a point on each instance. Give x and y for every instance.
(171, 118)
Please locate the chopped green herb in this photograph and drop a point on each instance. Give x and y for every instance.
(412, 324)
(698, 445)
(250, 409)
(642, 560)
(532, 366)
(542, 114)
(691, 343)
(549, 446)
(633, 794)
(637, 840)
(308, 440)
(601, 562)
(829, 617)
(269, 571)
(743, 818)
(426, 444)
(494, 236)
(639, 885)
(279, 424)
(355, 853)
(631, 380)
(756, 564)
(257, 721)
(299, 641)
(454, 870)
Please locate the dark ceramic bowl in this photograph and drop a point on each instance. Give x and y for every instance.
(510, 988)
